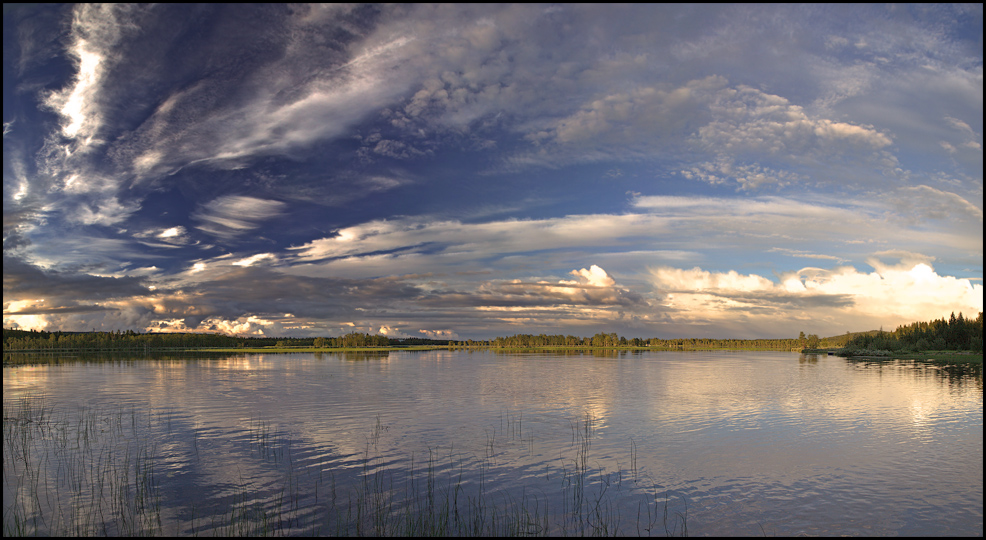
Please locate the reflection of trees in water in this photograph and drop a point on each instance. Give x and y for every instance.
(129, 358)
(614, 353)
(808, 359)
(355, 356)
(954, 375)
(958, 375)
(124, 357)
(595, 353)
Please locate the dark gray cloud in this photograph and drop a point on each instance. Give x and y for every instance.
(25, 281)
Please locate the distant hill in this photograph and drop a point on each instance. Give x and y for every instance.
(841, 340)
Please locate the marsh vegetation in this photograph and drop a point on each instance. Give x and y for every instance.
(93, 472)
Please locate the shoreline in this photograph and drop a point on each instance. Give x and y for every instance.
(938, 358)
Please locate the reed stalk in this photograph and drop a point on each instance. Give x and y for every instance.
(101, 473)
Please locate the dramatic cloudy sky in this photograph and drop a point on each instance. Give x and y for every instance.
(472, 171)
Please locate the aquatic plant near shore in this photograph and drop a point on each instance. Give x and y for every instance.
(98, 473)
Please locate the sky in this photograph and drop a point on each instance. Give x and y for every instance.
(472, 171)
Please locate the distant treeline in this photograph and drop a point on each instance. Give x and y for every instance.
(24, 340)
(953, 334)
(602, 340)
(16, 340)
(956, 333)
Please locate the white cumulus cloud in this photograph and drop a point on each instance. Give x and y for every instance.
(827, 301)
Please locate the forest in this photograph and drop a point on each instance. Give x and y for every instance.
(22, 340)
(956, 333)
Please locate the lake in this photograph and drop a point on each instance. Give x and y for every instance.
(459, 442)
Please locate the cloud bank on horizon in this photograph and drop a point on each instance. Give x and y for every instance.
(460, 171)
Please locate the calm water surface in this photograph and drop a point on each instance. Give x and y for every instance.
(729, 443)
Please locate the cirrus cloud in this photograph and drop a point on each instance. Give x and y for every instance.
(231, 215)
